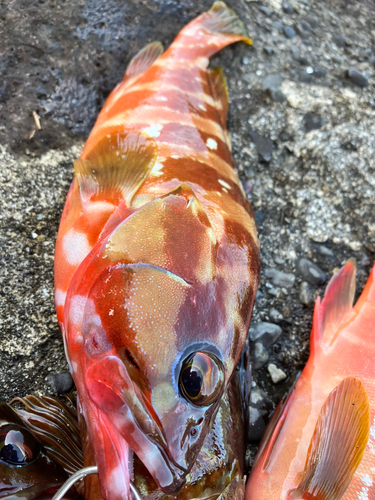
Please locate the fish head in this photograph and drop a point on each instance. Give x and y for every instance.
(25, 470)
(154, 332)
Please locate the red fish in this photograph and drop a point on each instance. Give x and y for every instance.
(315, 445)
(157, 261)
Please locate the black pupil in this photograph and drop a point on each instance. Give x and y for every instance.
(192, 381)
(13, 448)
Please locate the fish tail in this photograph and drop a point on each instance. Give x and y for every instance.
(210, 32)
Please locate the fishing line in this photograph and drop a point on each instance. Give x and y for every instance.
(80, 474)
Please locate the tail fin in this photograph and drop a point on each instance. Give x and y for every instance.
(210, 32)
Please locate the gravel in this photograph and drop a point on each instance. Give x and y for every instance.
(313, 198)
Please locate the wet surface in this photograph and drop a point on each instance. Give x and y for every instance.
(311, 178)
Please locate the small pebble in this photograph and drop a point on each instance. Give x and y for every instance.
(60, 383)
(258, 355)
(276, 315)
(357, 78)
(327, 252)
(272, 82)
(306, 294)
(279, 278)
(340, 41)
(312, 121)
(34, 236)
(278, 25)
(260, 409)
(265, 333)
(277, 95)
(277, 375)
(259, 217)
(287, 8)
(266, 11)
(268, 50)
(263, 144)
(305, 25)
(289, 32)
(310, 272)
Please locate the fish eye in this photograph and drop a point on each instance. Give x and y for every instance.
(18, 446)
(201, 378)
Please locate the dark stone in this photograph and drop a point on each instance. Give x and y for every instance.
(277, 95)
(287, 8)
(268, 50)
(289, 32)
(258, 355)
(278, 278)
(279, 26)
(326, 252)
(357, 77)
(271, 82)
(312, 121)
(264, 145)
(319, 72)
(260, 411)
(301, 32)
(265, 333)
(310, 272)
(306, 294)
(305, 25)
(60, 383)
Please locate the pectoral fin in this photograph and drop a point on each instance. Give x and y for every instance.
(117, 167)
(338, 443)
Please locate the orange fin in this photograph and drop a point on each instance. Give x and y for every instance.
(219, 91)
(338, 443)
(335, 306)
(117, 167)
(144, 59)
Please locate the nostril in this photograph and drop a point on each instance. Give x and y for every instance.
(193, 431)
(200, 421)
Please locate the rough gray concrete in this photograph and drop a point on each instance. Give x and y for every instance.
(303, 141)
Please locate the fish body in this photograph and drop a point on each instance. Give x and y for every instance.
(320, 443)
(157, 262)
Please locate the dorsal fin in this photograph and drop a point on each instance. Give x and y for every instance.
(117, 167)
(143, 60)
(338, 443)
(335, 306)
(219, 91)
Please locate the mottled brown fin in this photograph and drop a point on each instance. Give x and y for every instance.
(220, 20)
(219, 91)
(338, 443)
(117, 167)
(143, 60)
(336, 304)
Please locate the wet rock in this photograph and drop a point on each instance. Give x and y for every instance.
(279, 278)
(319, 72)
(258, 355)
(265, 333)
(306, 294)
(312, 121)
(289, 32)
(357, 77)
(310, 272)
(277, 375)
(277, 95)
(266, 11)
(259, 217)
(269, 50)
(306, 26)
(260, 409)
(326, 252)
(60, 383)
(279, 26)
(263, 144)
(276, 315)
(340, 41)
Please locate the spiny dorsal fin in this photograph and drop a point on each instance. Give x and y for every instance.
(143, 60)
(337, 302)
(338, 443)
(219, 91)
(220, 20)
(117, 167)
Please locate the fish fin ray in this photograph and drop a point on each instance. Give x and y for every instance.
(222, 21)
(336, 304)
(117, 167)
(220, 94)
(338, 443)
(144, 59)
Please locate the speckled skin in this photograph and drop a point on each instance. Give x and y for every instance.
(143, 283)
(338, 350)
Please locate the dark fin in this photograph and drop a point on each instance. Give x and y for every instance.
(336, 304)
(143, 60)
(245, 378)
(219, 90)
(220, 20)
(338, 443)
(117, 167)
